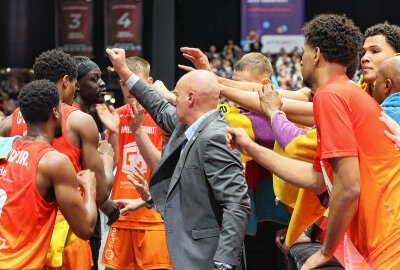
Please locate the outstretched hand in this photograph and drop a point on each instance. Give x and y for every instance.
(136, 115)
(393, 127)
(197, 57)
(108, 116)
(270, 100)
(140, 183)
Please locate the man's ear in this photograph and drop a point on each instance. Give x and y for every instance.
(65, 81)
(317, 55)
(388, 87)
(191, 97)
(56, 114)
(150, 80)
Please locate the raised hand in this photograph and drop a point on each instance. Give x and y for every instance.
(270, 100)
(140, 184)
(136, 114)
(197, 57)
(393, 127)
(108, 116)
(117, 57)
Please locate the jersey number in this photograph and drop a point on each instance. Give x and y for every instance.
(3, 198)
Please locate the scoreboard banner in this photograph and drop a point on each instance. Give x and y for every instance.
(123, 25)
(74, 27)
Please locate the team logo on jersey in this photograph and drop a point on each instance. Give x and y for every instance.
(132, 157)
(20, 119)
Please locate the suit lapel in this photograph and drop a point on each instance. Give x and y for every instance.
(176, 141)
(178, 169)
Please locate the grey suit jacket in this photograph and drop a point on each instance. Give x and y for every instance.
(201, 191)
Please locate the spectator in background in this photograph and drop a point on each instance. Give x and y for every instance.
(284, 79)
(212, 53)
(231, 50)
(297, 79)
(252, 43)
(284, 60)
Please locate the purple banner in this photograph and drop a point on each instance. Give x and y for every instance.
(275, 23)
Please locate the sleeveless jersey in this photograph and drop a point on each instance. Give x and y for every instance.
(62, 144)
(129, 156)
(26, 219)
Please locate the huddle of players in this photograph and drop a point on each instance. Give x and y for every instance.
(45, 176)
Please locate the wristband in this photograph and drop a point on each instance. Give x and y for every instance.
(150, 203)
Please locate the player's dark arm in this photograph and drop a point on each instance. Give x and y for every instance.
(86, 127)
(80, 212)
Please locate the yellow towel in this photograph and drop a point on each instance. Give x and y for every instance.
(62, 237)
(308, 208)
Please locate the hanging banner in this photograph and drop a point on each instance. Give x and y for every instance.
(275, 23)
(74, 20)
(123, 24)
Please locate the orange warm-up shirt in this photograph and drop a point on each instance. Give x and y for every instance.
(26, 219)
(348, 125)
(129, 156)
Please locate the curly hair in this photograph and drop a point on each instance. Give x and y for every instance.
(53, 65)
(37, 100)
(390, 31)
(338, 38)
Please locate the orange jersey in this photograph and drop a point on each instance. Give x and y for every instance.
(62, 144)
(129, 156)
(26, 219)
(18, 125)
(348, 125)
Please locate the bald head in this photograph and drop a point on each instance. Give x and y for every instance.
(197, 93)
(387, 79)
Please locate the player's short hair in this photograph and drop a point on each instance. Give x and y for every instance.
(338, 38)
(390, 31)
(37, 100)
(53, 65)
(137, 64)
(254, 62)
